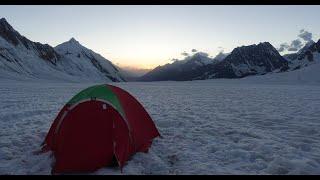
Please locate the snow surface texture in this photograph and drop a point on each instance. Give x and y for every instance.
(254, 125)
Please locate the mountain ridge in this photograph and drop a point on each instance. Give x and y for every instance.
(22, 57)
(71, 61)
(242, 61)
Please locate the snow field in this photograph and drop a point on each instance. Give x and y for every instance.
(208, 127)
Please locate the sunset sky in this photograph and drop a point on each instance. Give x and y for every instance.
(147, 36)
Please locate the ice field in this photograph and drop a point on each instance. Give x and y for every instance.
(208, 127)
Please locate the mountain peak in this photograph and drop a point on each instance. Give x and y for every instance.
(265, 44)
(262, 46)
(3, 20)
(71, 44)
(220, 56)
(306, 47)
(73, 40)
(309, 43)
(8, 33)
(5, 25)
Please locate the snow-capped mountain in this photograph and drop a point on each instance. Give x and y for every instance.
(220, 56)
(86, 62)
(200, 59)
(241, 62)
(308, 55)
(21, 58)
(293, 56)
(306, 47)
(248, 60)
(179, 70)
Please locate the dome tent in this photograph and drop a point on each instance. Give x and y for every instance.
(99, 124)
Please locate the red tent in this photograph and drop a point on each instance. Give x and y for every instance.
(98, 125)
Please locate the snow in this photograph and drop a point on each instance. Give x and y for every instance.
(18, 62)
(25, 64)
(199, 59)
(255, 125)
(306, 46)
(220, 56)
(300, 63)
(241, 69)
(306, 75)
(79, 56)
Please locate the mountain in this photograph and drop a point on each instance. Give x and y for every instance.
(21, 58)
(308, 55)
(293, 56)
(179, 70)
(131, 73)
(242, 61)
(86, 61)
(248, 60)
(221, 56)
(306, 47)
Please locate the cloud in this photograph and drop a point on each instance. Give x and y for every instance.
(194, 50)
(203, 54)
(185, 54)
(221, 55)
(283, 47)
(305, 35)
(174, 60)
(295, 45)
(303, 38)
(221, 51)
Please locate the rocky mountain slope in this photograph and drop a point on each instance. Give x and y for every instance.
(242, 61)
(21, 58)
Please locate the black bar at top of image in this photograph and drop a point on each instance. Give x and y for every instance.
(159, 2)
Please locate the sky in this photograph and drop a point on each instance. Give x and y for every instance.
(147, 36)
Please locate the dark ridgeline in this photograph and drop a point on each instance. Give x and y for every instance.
(44, 51)
(305, 56)
(242, 61)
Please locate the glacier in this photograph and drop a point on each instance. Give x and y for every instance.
(255, 125)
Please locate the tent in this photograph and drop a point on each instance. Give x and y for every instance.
(100, 125)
